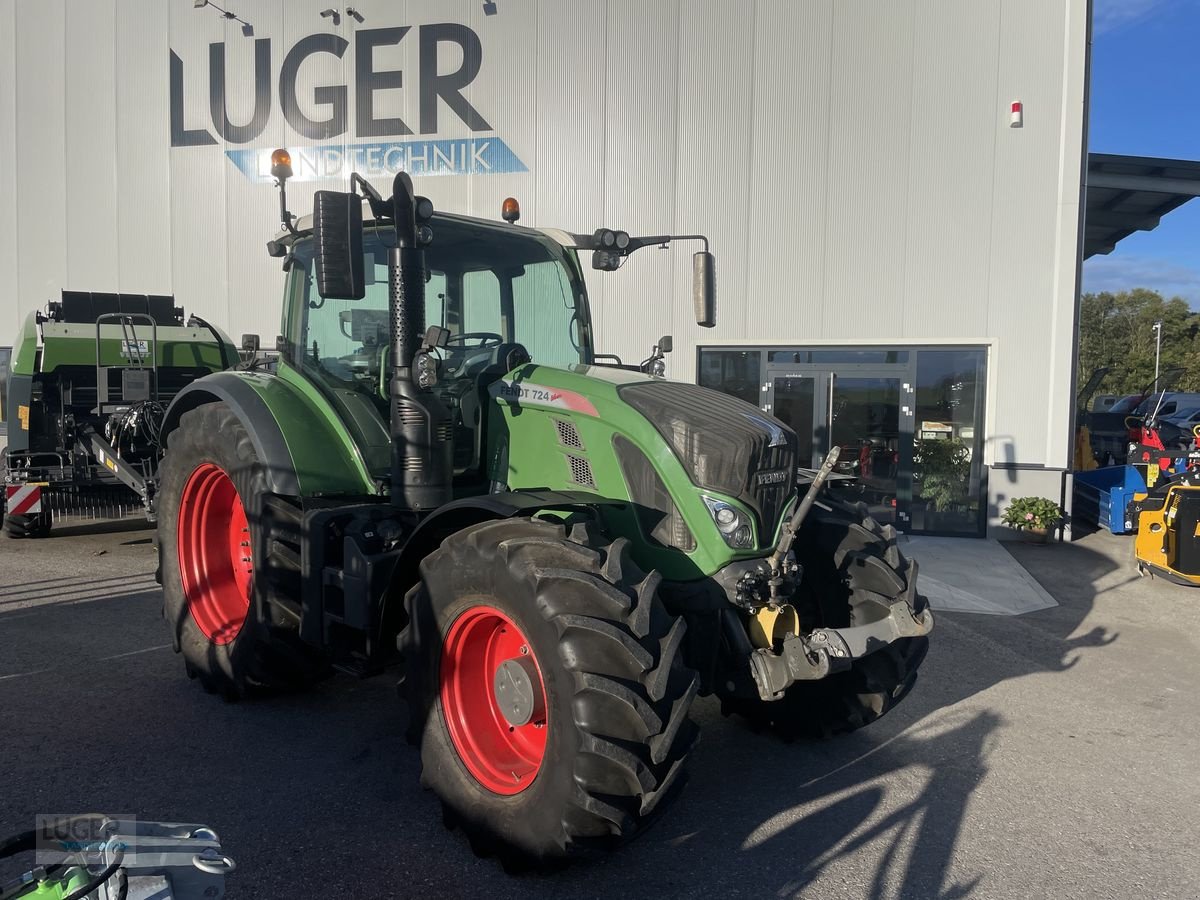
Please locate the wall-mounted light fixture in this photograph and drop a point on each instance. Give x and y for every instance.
(247, 28)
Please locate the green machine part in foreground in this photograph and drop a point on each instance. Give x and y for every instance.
(561, 554)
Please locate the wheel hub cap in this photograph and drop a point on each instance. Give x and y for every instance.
(514, 686)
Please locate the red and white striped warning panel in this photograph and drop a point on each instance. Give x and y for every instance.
(23, 499)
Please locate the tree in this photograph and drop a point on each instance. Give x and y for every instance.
(1117, 330)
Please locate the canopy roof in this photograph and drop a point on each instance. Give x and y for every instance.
(1131, 193)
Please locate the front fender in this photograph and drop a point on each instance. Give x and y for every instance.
(301, 446)
(467, 511)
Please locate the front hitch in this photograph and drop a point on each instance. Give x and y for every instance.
(826, 651)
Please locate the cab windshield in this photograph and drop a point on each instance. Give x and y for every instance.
(504, 294)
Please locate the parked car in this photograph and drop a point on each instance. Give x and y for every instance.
(1172, 403)
(1176, 430)
(1110, 434)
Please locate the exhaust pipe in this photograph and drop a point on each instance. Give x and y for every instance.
(422, 448)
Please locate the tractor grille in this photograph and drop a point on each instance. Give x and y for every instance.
(581, 471)
(725, 444)
(658, 516)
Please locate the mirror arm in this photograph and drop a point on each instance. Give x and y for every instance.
(588, 242)
(379, 207)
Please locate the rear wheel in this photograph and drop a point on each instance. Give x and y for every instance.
(848, 558)
(35, 526)
(546, 689)
(229, 580)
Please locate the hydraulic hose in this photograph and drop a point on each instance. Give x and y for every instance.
(106, 873)
(26, 841)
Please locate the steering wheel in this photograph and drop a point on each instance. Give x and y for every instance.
(459, 355)
(484, 337)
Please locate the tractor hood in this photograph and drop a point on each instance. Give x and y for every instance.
(724, 444)
(663, 444)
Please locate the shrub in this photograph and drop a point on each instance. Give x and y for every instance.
(1032, 512)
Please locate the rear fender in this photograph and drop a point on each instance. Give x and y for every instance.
(303, 453)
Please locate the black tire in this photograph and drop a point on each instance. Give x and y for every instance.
(36, 526)
(617, 691)
(847, 558)
(266, 652)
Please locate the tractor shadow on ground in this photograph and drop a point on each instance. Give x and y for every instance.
(315, 791)
(761, 817)
(781, 846)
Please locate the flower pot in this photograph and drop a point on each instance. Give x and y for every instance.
(1037, 535)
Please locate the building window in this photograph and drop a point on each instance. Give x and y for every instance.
(908, 422)
(733, 372)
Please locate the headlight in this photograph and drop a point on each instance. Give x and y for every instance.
(731, 522)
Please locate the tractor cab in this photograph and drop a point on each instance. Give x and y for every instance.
(505, 295)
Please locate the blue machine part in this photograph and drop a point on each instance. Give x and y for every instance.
(1101, 496)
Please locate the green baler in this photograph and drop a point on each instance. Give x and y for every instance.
(561, 554)
(88, 383)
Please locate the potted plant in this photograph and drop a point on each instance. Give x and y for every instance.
(1035, 515)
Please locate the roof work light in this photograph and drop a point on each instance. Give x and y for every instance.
(281, 164)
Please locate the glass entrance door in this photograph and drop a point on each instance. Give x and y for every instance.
(864, 412)
(866, 422)
(794, 400)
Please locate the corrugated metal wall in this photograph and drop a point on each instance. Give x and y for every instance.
(851, 160)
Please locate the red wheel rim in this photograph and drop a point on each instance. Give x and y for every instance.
(215, 561)
(503, 756)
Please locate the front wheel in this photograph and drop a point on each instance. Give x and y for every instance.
(848, 558)
(546, 689)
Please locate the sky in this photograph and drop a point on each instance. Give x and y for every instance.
(1145, 101)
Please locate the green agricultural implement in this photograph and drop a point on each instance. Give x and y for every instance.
(561, 554)
(87, 385)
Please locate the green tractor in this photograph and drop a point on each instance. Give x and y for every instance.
(562, 554)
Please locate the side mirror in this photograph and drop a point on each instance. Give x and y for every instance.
(338, 241)
(704, 288)
(665, 343)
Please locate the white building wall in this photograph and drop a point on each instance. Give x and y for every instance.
(851, 160)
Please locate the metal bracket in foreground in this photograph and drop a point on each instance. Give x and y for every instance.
(828, 650)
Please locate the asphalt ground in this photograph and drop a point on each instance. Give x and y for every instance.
(1049, 755)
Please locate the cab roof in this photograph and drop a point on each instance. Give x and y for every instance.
(564, 238)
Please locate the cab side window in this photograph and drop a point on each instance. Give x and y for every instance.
(544, 321)
(481, 302)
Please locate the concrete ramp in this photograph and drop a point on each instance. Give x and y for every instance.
(977, 576)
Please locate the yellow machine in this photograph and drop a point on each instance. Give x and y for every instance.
(1168, 535)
